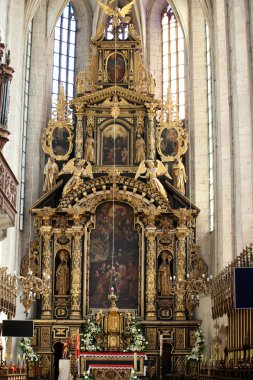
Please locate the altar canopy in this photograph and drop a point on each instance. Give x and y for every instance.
(114, 213)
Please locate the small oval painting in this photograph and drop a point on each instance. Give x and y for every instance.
(116, 67)
(169, 142)
(60, 141)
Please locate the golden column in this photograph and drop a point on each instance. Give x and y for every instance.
(181, 233)
(151, 273)
(79, 130)
(76, 280)
(151, 149)
(46, 232)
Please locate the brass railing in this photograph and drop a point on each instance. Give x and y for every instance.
(223, 284)
(8, 292)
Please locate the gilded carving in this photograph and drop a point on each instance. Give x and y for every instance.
(45, 365)
(75, 289)
(45, 333)
(180, 365)
(180, 338)
(57, 139)
(172, 138)
(151, 338)
(47, 272)
(150, 234)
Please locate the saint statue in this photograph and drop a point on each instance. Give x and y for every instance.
(139, 149)
(62, 275)
(179, 175)
(80, 81)
(89, 148)
(164, 275)
(152, 84)
(51, 172)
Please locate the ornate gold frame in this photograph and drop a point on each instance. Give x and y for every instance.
(106, 67)
(61, 119)
(139, 227)
(100, 130)
(182, 140)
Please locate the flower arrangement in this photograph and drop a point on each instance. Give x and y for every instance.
(198, 348)
(91, 336)
(134, 376)
(27, 350)
(86, 376)
(134, 336)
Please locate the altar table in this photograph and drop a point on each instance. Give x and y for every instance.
(114, 361)
(111, 371)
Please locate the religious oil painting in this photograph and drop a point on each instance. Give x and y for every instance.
(169, 142)
(114, 256)
(60, 141)
(116, 67)
(115, 145)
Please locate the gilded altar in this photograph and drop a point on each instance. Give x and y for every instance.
(112, 213)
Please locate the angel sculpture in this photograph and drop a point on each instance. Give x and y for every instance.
(78, 168)
(117, 14)
(151, 170)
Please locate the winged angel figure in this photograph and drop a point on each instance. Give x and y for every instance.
(118, 15)
(151, 170)
(79, 169)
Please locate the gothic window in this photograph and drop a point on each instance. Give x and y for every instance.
(25, 125)
(173, 59)
(210, 128)
(64, 54)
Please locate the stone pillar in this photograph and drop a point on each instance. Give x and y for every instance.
(76, 280)
(151, 273)
(47, 273)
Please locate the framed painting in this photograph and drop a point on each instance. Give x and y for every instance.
(172, 141)
(114, 256)
(115, 67)
(115, 145)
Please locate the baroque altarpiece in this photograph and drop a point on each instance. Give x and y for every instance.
(114, 209)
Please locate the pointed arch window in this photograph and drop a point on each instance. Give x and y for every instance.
(64, 54)
(173, 50)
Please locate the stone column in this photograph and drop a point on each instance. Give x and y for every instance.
(47, 273)
(76, 280)
(151, 273)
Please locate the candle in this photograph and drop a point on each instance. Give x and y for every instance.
(161, 344)
(5, 355)
(23, 356)
(18, 357)
(135, 361)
